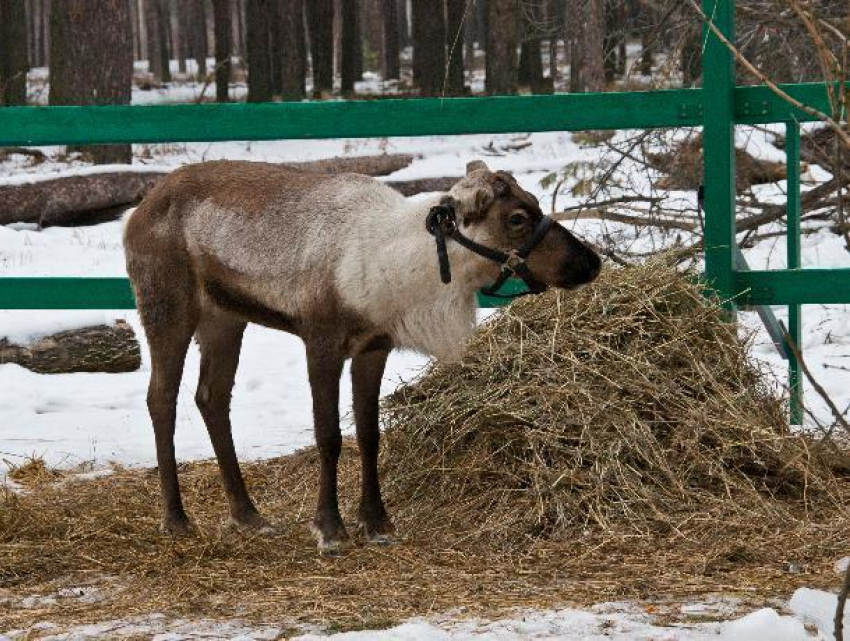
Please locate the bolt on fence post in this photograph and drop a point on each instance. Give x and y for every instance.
(719, 148)
(793, 207)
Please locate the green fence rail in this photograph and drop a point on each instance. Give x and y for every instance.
(717, 107)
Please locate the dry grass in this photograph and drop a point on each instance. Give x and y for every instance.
(609, 443)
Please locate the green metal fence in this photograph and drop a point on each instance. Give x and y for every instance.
(717, 107)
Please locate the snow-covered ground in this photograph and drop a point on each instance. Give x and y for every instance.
(99, 419)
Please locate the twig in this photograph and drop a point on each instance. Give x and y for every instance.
(772, 86)
(792, 345)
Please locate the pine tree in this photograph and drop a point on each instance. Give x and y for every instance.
(503, 23)
(293, 44)
(87, 36)
(222, 19)
(455, 19)
(259, 50)
(320, 19)
(349, 19)
(14, 54)
(390, 29)
(429, 45)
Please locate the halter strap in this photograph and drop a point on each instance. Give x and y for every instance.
(442, 224)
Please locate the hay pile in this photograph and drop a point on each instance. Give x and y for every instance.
(629, 407)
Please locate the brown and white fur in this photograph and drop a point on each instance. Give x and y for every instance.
(342, 261)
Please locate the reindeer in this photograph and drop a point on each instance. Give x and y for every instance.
(345, 263)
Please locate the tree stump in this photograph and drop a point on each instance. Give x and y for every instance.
(100, 348)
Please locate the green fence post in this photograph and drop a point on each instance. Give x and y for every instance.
(793, 206)
(719, 147)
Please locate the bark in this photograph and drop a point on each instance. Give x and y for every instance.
(14, 53)
(455, 10)
(348, 62)
(403, 24)
(259, 51)
(88, 198)
(71, 200)
(275, 19)
(293, 63)
(320, 18)
(101, 348)
(429, 45)
(593, 46)
(87, 37)
(196, 35)
(222, 15)
(163, 29)
(503, 21)
(575, 43)
(423, 185)
(391, 49)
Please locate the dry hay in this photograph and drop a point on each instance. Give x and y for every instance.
(628, 408)
(603, 444)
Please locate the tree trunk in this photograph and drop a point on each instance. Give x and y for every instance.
(390, 26)
(691, 60)
(87, 36)
(455, 10)
(259, 53)
(320, 18)
(503, 22)
(181, 49)
(102, 348)
(292, 66)
(275, 20)
(163, 29)
(429, 45)
(403, 24)
(222, 15)
(348, 62)
(14, 53)
(196, 35)
(593, 46)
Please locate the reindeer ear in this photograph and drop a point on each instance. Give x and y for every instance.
(476, 165)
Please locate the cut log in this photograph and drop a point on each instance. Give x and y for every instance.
(101, 348)
(89, 198)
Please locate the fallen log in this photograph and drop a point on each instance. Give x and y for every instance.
(101, 348)
(422, 185)
(89, 198)
(72, 200)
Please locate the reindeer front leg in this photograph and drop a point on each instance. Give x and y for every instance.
(367, 369)
(324, 365)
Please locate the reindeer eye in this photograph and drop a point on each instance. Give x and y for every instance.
(516, 220)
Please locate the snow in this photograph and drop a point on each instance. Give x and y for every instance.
(601, 622)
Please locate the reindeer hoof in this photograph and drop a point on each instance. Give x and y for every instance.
(254, 524)
(381, 539)
(332, 544)
(380, 533)
(176, 526)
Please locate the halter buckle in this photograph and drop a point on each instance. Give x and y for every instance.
(513, 261)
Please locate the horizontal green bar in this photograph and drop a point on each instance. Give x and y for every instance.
(794, 286)
(384, 118)
(760, 105)
(777, 287)
(66, 293)
(347, 119)
(115, 293)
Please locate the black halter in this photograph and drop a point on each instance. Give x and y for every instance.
(442, 224)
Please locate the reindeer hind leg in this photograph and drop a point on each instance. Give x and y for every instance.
(220, 339)
(168, 314)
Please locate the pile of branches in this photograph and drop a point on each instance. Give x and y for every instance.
(626, 409)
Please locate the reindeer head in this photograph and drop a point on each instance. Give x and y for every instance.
(494, 211)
